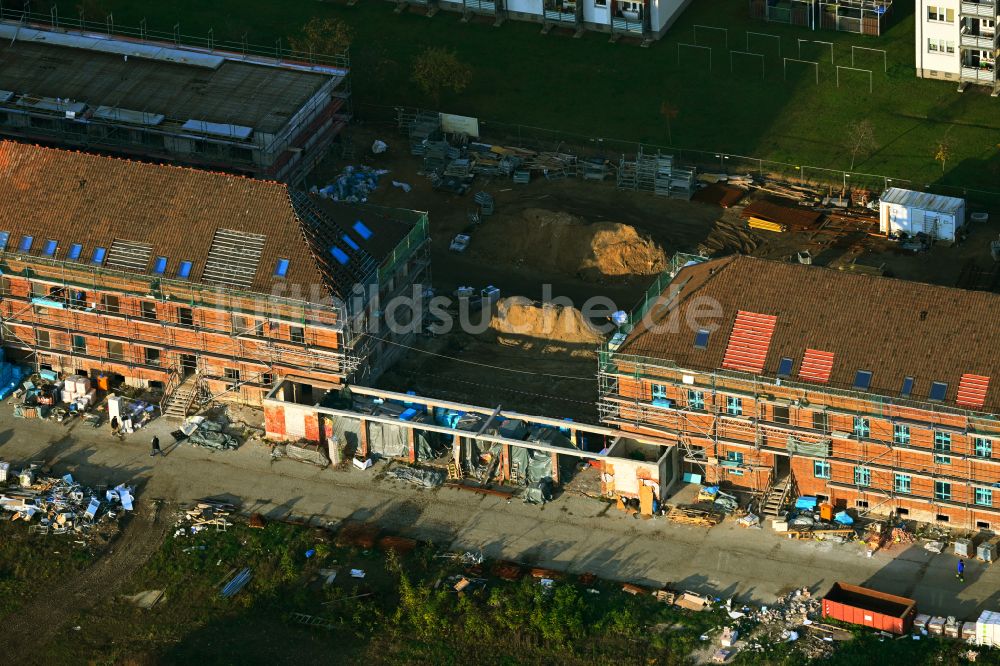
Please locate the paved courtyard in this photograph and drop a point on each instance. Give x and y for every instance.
(573, 533)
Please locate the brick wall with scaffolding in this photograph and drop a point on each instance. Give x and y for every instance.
(864, 451)
(72, 317)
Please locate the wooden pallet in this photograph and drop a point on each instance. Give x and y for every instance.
(692, 516)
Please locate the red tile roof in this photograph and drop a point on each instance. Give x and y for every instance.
(749, 341)
(75, 197)
(892, 328)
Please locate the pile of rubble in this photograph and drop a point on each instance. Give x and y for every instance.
(794, 617)
(54, 505)
(205, 514)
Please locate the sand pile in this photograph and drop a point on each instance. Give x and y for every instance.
(570, 245)
(523, 317)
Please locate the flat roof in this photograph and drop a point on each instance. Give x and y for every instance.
(922, 200)
(177, 83)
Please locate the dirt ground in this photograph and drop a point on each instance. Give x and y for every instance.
(510, 251)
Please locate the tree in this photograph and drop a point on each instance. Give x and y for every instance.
(860, 140)
(324, 36)
(669, 112)
(438, 69)
(943, 152)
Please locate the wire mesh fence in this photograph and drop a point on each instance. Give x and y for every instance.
(550, 140)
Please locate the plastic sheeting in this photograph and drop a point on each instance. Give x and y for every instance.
(386, 440)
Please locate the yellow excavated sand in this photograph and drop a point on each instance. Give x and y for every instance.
(570, 245)
(520, 316)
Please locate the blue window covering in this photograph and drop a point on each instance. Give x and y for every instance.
(26, 242)
(184, 270)
(350, 242)
(50, 248)
(99, 254)
(160, 266)
(75, 250)
(938, 390)
(282, 268)
(362, 230)
(340, 255)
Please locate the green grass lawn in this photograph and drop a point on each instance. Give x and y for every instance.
(591, 87)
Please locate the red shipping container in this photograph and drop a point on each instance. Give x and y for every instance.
(878, 610)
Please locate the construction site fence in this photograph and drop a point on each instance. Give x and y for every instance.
(21, 12)
(708, 161)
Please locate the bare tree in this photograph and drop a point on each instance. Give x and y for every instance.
(669, 112)
(438, 69)
(860, 140)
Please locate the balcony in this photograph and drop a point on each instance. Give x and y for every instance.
(981, 42)
(978, 75)
(982, 9)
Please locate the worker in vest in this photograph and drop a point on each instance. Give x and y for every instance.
(960, 574)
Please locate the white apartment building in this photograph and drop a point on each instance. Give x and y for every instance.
(956, 40)
(645, 19)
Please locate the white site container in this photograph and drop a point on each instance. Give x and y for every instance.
(988, 629)
(4, 468)
(910, 212)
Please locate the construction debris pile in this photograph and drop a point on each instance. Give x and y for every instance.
(809, 519)
(522, 317)
(206, 513)
(353, 185)
(60, 505)
(419, 476)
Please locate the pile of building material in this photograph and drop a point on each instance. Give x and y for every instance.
(768, 216)
(60, 505)
(208, 434)
(688, 515)
(314, 453)
(728, 235)
(420, 476)
(206, 513)
(353, 185)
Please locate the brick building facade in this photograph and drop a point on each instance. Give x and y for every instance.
(155, 274)
(878, 395)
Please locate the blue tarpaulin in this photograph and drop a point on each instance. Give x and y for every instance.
(843, 518)
(806, 503)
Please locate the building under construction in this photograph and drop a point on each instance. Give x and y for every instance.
(171, 276)
(241, 112)
(873, 394)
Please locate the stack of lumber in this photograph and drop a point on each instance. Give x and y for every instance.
(687, 515)
(763, 214)
(728, 236)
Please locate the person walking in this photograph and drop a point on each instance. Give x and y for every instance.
(156, 447)
(114, 425)
(960, 574)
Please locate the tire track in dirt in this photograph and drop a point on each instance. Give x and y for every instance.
(49, 610)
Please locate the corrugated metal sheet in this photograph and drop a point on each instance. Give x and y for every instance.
(922, 200)
(749, 342)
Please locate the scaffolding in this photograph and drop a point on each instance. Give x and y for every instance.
(692, 409)
(323, 116)
(69, 301)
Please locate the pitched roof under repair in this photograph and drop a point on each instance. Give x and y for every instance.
(185, 215)
(892, 328)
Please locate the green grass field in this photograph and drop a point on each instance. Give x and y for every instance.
(591, 87)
